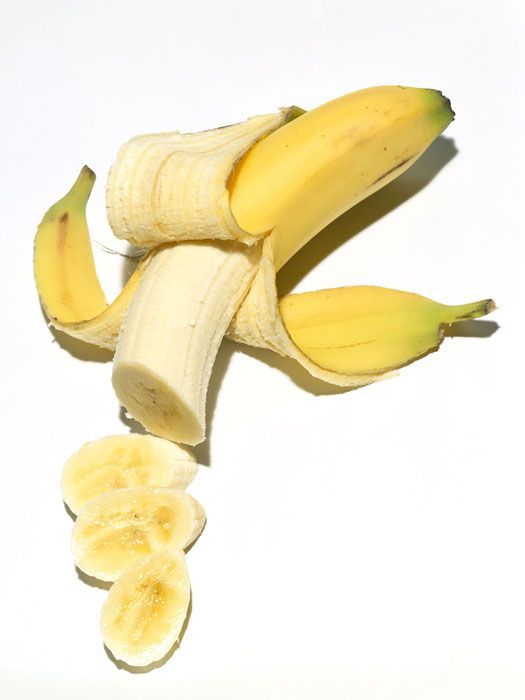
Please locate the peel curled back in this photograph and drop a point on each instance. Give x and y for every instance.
(291, 179)
(171, 187)
(369, 330)
(65, 273)
(344, 151)
(64, 268)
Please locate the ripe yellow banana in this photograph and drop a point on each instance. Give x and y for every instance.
(146, 607)
(123, 461)
(117, 529)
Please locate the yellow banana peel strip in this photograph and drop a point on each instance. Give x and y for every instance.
(259, 323)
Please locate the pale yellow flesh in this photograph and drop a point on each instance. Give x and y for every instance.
(369, 330)
(298, 179)
(117, 529)
(123, 461)
(145, 610)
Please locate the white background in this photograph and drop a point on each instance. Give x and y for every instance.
(364, 545)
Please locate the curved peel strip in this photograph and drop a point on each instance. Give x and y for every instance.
(123, 461)
(65, 273)
(259, 323)
(350, 336)
(146, 607)
(369, 330)
(148, 186)
(119, 528)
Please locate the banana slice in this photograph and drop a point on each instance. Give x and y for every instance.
(145, 609)
(123, 461)
(115, 530)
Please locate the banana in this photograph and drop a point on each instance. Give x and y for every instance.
(369, 330)
(65, 273)
(261, 190)
(123, 461)
(117, 529)
(145, 610)
(286, 188)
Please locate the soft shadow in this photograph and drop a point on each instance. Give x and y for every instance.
(367, 212)
(78, 348)
(222, 361)
(130, 259)
(471, 329)
(293, 370)
(92, 581)
(69, 511)
(122, 666)
(133, 425)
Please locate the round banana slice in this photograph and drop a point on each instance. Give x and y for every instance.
(123, 461)
(145, 609)
(116, 529)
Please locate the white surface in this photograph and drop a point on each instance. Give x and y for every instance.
(366, 545)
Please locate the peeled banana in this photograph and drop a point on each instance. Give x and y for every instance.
(123, 461)
(221, 211)
(260, 189)
(115, 530)
(145, 610)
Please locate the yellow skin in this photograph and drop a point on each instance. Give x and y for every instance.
(298, 179)
(367, 330)
(290, 185)
(65, 273)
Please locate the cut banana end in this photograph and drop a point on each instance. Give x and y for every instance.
(172, 332)
(123, 461)
(117, 529)
(145, 610)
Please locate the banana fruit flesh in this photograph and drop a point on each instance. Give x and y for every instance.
(123, 461)
(172, 332)
(117, 529)
(363, 330)
(145, 610)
